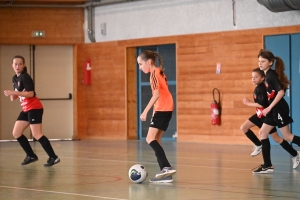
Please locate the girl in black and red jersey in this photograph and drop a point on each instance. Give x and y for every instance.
(277, 112)
(162, 112)
(31, 115)
(260, 102)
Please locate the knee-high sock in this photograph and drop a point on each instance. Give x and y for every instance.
(253, 138)
(289, 148)
(266, 152)
(26, 146)
(160, 164)
(160, 154)
(47, 146)
(296, 140)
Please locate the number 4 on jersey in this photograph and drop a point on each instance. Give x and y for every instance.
(280, 118)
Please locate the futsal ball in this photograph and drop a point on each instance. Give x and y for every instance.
(137, 173)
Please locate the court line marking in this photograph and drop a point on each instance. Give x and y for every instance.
(55, 192)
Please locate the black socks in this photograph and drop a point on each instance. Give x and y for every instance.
(47, 146)
(253, 138)
(289, 148)
(160, 154)
(26, 146)
(296, 140)
(266, 151)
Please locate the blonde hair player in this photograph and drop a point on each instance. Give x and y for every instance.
(31, 115)
(163, 106)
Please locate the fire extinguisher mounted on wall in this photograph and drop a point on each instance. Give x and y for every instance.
(215, 109)
(87, 72)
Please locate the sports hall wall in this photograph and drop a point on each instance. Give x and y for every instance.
(203, 34)
(106, 108)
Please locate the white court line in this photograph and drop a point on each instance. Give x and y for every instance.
(55, 192)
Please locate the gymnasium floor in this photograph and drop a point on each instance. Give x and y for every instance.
(99, 170)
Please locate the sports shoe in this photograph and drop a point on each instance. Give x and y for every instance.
(256, 150)
(296, 160)
(167, 179)
(52, 161)
(29, 159)
(263, 170)
(166, 171)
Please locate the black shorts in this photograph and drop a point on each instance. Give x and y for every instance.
(32, 116)
(279, 115)
(161, 119)
(259, 122)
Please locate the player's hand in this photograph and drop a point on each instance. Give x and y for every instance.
(8, 92)
(266, 111)
(246, 101)
(143, 116)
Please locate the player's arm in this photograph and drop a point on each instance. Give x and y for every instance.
(152, 101)
(25, 94)
(279, 96)
(247, 102)
(13, 97)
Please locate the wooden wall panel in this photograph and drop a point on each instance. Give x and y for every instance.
(131, 81)
(197, 56)
(102, 105)
(61, 25)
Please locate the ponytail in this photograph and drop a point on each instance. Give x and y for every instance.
(160, 63)
(279, 68)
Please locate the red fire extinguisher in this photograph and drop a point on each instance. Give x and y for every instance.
(87, 72)
(215, 109)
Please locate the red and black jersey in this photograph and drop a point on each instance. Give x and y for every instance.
(24, 83)
(260, 97)
(273, 84)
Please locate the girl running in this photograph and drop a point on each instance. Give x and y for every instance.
(31, 115)
(162, 112)
(260, 102)
(277, 112)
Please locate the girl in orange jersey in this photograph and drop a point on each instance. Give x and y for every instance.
(31, 115)
(162, 112)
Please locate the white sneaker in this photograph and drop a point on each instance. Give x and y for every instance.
(296, 160)
(167, 179)
(256, 150)
(166, 171)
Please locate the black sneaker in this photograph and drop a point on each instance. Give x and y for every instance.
(52, 161)
(29, 159)
(263, 170)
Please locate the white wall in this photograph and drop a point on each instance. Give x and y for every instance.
(154, 18)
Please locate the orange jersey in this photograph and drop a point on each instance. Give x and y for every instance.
(159, 82)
